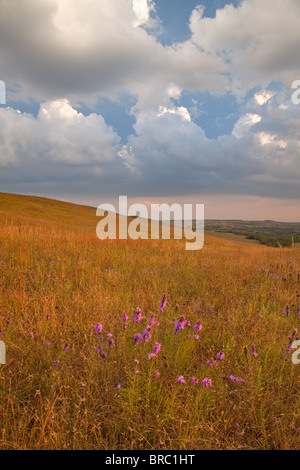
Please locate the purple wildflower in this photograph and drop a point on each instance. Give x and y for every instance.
(7, 320)
(136, 361)
(187, 323)
(163, 303)
(119, 386)
(195, 381)
(253, 350)
(110, 341)
(152, 319)
(156, 374)
(31, 335)
(103, 355)
(179, 325)
(47, 344)
(137, 338)
(156, 348)
(98, 328)
(124, 317)
(237, 380)
(66, 347)
(198, 327)
(138, 315)
(147, 334)
(212, 363)
(221, 355)
(56, 363)
(207, 382)
(180, 379)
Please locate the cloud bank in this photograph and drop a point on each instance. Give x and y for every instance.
(63, 53)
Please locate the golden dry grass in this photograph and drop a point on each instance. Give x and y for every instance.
(238, 291)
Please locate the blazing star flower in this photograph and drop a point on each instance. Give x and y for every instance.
(147, 334)
(156, 348)
(137, 338)
(187, 323)
(103, 355)
(7, 320)
(138, 315)
(207, 382)
(236, 380)
(198, 327)
(99, 348)
(110, 341)
(137, 372)
(47, 316)
(179, 325)
(287, 310)
(151, 320)
(163, 303)
(180, 379)
(56, 363)
(195, 381)
(47, 344)
(31, 335)
(196, 337)
(98, 328)
(156, 374)
(124, 317)
(253, 350)
(212, 363)
(221, 355)
(119, 386)
(66, 347)
(136, 361)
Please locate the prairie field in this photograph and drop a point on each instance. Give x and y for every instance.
(67, 385)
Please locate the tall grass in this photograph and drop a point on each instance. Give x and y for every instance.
(57, 285)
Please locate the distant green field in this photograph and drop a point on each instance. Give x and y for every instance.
(231, 237)
(265, 232)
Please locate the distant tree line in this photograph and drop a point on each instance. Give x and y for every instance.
(265, 232)
(270, 239)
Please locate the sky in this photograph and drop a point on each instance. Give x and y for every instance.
(160, 100)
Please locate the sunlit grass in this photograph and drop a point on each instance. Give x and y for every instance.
(57, 285)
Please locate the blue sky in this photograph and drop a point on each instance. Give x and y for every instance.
(175, 16)
(161, 100)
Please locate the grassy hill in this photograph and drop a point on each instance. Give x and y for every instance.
(36, 211)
